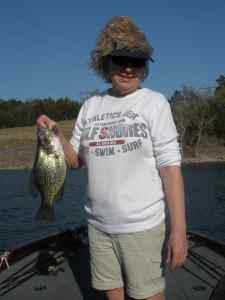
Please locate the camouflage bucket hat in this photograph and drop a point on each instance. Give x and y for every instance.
(120, 37)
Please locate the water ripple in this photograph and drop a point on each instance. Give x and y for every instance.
(205, 202)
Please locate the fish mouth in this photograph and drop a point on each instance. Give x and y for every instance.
(44, 137)
(45, 142)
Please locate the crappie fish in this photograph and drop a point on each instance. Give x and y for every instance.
(49, 172)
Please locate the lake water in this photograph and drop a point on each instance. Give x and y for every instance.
(205, 204)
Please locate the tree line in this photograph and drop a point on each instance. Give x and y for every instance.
(199, 114)
(15, 113)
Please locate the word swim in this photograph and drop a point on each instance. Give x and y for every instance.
(107, 151)
(116, 131)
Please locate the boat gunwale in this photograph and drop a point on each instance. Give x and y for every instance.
(74, 235)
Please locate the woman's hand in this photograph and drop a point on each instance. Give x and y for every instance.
(45, 121)
(174, 191)
(177, 248)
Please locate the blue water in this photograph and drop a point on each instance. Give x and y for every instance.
(18, 208)
(205, 204)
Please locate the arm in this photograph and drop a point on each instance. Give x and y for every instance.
(70, 154)
(168, 158)
(174, 191)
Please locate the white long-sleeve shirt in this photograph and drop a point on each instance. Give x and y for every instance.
(124, 141)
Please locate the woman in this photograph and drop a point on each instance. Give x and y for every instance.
(127, 139)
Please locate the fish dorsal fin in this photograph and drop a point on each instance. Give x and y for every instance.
(33, 186)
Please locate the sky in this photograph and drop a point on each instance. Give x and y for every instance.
(45, 45)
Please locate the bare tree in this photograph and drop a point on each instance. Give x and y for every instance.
(193, 116)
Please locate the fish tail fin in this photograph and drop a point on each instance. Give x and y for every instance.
(45, 213)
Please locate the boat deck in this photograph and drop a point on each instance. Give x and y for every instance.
(58, 267)
(203, 275)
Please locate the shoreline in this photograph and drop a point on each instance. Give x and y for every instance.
(18, 148)
(185, 162)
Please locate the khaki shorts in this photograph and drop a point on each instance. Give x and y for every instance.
(133, 260)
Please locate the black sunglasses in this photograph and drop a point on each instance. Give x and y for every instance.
(123, 61)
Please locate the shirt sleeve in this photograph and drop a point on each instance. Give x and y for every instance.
(164, 137)
(77, 130)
